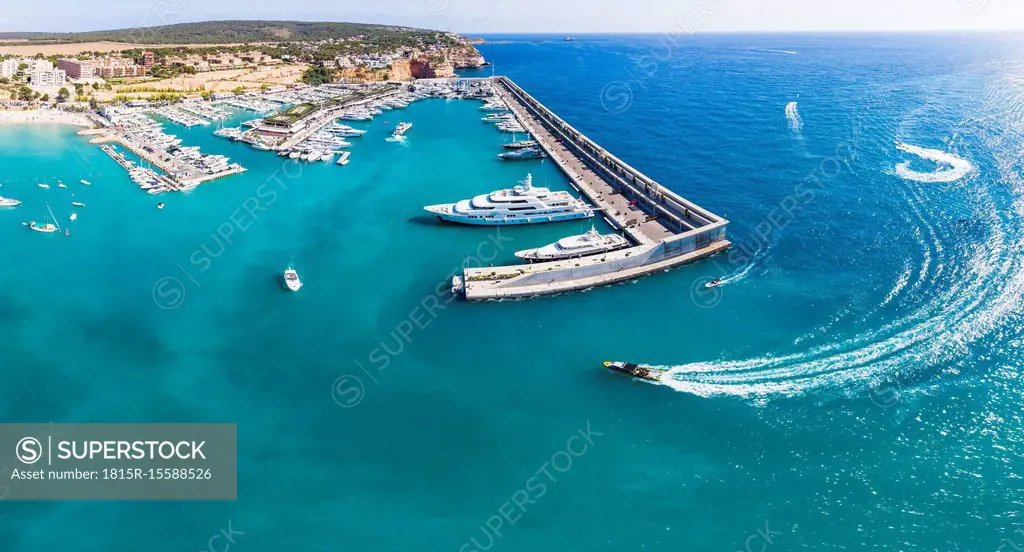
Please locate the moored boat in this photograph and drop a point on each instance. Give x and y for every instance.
(523, 204)
(8, 202)
(523, 154)
(590, 243)
(520, 144)
(639, 371)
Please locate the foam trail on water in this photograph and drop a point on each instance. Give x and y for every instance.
(793, 115)
(953, 167)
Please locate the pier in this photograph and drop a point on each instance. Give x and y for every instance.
(666, 229)
(328, 114)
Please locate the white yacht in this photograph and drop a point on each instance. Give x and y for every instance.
(291, 279)
(524, 204)
(8, 202)
(401, 129)
(590, 243)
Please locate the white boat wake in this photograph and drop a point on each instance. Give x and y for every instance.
(793, 116)
(951, 167)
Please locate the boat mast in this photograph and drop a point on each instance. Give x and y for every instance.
(55, 223)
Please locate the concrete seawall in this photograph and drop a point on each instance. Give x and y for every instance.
(666, 229)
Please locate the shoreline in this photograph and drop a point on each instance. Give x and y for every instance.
(44, 116)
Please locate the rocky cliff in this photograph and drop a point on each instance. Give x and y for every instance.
(465, 56)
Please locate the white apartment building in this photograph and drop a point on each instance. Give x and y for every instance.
(51, 77)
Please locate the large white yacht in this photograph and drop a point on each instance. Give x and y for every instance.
(582, 245)
(524, 204)
(8, 202)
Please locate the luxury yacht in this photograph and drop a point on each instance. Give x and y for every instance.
(520, 144)
(523, 154)
(524, 204)
(291, 279)
(582, 245)
(8, 202)
(498, 118)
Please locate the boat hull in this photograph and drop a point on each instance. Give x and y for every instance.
(635, 370)
(538, 219)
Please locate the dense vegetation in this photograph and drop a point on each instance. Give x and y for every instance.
(224, 32)
(316, 75)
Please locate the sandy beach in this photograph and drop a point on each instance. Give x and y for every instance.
(43, 116)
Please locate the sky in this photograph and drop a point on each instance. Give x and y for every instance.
(537, 16)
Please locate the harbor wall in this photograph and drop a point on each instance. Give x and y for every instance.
(621, 175)
(694, 232)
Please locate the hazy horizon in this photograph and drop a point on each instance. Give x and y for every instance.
(539, 17)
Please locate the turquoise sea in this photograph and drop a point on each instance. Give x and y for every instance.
(855, 385)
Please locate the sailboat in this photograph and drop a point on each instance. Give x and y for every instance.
(47, 228)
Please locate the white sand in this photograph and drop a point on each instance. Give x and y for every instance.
(43, 116)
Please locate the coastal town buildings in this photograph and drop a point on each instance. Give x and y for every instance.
(48, 77)
(77, 69)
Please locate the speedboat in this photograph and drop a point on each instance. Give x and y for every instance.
(638, 371)
(582, 245)
(61, 185)
(713, 283)
(85, 182)
(523, 154)
(44, 186)
(78, 204)
(8, 202)
(291, 279)
(159, 205)
(523, 204)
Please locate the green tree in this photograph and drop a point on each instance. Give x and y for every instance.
(24, 93)
(63, 94)
(45, 98)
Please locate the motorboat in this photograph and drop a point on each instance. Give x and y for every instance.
(85, 182)
(713, 283)
(291, 279)
(639, 371)
(343, 158)
(44, 186)
(8, 202)
(523, 204)
(77, 204)
(401, 129)
(590, 243)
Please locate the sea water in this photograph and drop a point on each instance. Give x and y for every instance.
(853, 385)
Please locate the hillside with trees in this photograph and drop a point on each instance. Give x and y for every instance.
(228, 32)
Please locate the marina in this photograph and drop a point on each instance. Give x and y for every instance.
(184, 167)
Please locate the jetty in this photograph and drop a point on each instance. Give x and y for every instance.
(666, 229)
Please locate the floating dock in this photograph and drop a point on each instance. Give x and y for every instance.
(667, 229)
